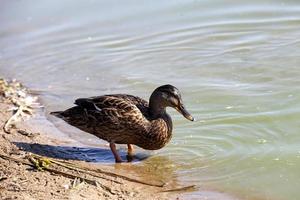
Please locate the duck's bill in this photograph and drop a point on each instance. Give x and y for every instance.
(185, 113)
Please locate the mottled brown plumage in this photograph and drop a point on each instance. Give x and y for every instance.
(127, 119)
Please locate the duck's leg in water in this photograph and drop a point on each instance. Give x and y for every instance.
(115, 152)
(129, 152)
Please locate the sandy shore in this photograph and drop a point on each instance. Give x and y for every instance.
(24, 175)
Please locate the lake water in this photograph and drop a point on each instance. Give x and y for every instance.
(235, 62)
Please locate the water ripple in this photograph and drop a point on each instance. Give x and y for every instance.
(236, 63)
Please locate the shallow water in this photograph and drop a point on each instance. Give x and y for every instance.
(236, 64)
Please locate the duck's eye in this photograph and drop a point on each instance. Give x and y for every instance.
(174, 101)
(165, 95)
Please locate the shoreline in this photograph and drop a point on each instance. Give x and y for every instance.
(40, 175)
(35, 163)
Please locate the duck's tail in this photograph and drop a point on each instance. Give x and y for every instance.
(57, 114)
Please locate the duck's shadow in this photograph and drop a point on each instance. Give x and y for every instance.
(88, 154)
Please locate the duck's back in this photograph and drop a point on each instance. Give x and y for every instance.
(116, 118)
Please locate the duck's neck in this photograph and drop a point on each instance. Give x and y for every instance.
(160, 130)
(156, 108)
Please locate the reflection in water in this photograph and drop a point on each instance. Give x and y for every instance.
(158, 169)
(236, 63)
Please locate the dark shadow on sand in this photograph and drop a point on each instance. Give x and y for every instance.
(88, 154)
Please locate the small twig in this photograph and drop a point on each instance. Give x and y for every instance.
(28, 134)
(128, 178)
(24, 181)
(3, 178)
(181, 189)
(68, 175)
(15, 159)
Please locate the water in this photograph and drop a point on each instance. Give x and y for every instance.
(236, 64)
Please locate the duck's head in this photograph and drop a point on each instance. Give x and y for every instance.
(168, 96)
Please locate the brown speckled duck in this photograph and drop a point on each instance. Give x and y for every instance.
(127, 119)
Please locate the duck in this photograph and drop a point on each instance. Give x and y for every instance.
(128, 119)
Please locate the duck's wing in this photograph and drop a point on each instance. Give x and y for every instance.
(114, 118)
(108, 100)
